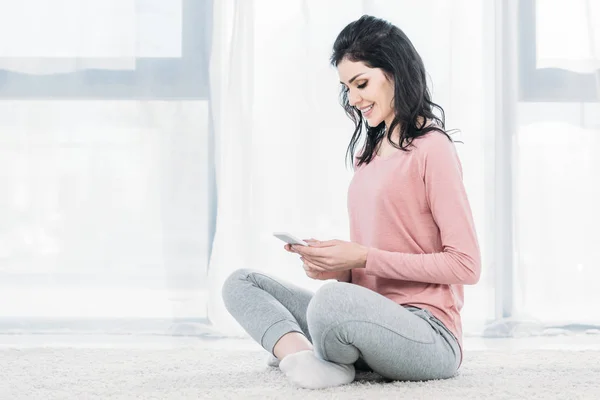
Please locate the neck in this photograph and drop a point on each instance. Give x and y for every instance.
(396, 133)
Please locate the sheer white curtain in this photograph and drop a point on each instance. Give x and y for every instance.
(103, 201)
(282, 135)
(232, 100)
(278, 128)
(558, 189)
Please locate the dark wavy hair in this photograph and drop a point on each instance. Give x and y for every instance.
(380, 44)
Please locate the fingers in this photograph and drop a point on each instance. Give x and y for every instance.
(312, 274)
(301, 249)
(309, 251)
(306, 268)
(318, 243)
(311, 265)
(328, 243)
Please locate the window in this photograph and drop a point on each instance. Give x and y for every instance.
(185, 77)
(548, 84)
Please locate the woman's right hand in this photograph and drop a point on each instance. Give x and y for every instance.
(322, 276)
(343, 276)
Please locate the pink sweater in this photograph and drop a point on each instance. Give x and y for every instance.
(412, 212)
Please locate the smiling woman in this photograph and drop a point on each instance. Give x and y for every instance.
(396, 306)
(383, 82)
(368, 89)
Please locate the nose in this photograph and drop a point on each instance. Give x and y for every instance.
(353, 98)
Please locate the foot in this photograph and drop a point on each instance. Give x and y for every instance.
(304, 369)
(273, 361)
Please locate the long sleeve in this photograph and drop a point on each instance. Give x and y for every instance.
(459, 262)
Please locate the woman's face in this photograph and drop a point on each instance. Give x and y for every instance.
(369, 91)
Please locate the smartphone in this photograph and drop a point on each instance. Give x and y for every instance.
(289, 238)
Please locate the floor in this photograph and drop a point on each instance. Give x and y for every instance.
(559, 342)
(160, 367)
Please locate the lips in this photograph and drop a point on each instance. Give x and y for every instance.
(367, 110)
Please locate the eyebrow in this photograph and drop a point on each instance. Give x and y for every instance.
(353, 78)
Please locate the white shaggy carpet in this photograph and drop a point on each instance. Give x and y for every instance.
(193, 373)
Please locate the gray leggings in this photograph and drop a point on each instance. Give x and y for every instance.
(346, 323)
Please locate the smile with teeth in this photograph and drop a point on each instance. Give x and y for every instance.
(366, 110)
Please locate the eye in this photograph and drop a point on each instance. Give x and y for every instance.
(362, 85)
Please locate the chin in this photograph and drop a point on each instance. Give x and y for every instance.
(374, 121)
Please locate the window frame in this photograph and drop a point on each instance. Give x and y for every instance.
(185, 77)
(547, 84)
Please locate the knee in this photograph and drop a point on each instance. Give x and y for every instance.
(326, 316)
(231, 286)
(328, 302)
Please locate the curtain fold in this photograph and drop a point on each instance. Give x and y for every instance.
(232, 97)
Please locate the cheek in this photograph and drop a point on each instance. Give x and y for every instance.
(389, 96)
(384, 104)
(382, 95)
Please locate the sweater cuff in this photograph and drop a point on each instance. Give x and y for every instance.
(372, 266)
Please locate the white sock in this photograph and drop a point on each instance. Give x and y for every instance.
(306, 370)
(273, 361)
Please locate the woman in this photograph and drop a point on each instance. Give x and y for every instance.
(395, 308)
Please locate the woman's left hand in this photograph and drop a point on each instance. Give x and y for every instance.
(333, 255)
